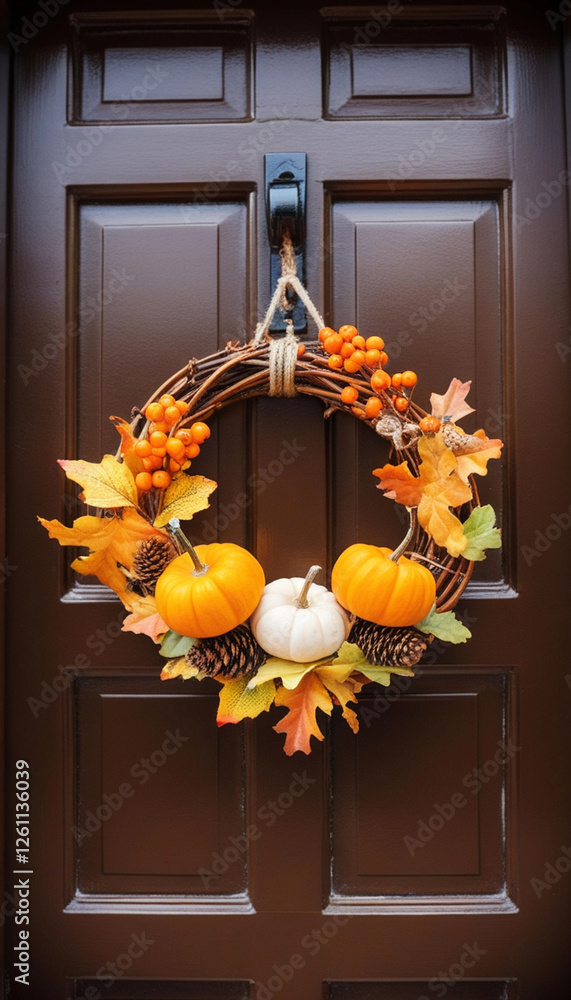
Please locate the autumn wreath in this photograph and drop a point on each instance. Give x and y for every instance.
(305, 647)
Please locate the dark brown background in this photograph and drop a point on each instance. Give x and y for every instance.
(426, 148)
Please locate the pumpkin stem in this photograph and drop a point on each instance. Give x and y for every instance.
(395, 556)
(301, 600)
(176, 532)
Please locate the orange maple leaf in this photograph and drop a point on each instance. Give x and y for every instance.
(300, 723)
(111, 541)
(436, 489)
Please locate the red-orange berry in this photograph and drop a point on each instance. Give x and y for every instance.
(396, 380)
(333, 344)
(192, 450)
(161, 479)
(144, 481)
(359, 343)
(158, 439)
(347, 350)
(160, 425)
(349, 395)
(175, 448)
(384, 358)
(380, 380)
(373, 407)
(152, 463)
(429, 425)
(182, 407)
(167, 400)
(183, 435)
(375, 343)
(154, 411)
(400, 403)
(174, 466)
(372, 357)
(348, 332)
(335, 361)
(143, 448)
(300, 350)
(172, 414)
(200, 432)
(351, 366)
(358, 358)
(325, 332)
(409, 379)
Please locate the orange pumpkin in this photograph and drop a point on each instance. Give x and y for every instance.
(370, 584)
(209, 590)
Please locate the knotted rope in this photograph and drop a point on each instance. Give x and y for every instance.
(289, 279)
(283, 356)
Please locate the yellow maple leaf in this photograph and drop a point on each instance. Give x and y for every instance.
(178, 667)
(344, 691)
(238, 702)
(436, 489)
(110, 540)
(105, 484)
(185, 496)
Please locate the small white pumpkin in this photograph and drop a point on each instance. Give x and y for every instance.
(299, 620)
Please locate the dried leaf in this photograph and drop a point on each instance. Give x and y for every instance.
(300, 723)
(105, 484)
(481, 533)
(128, 442)
(185, 496)
(111, 540)
(179, 667)
(452, 404)
(238, 702)
(400, 484)
(145, 618)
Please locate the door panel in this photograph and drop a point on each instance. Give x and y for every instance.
(435, 138)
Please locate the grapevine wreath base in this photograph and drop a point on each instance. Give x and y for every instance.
(305, 648)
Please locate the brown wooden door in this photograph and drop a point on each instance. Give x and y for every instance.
(429, 855)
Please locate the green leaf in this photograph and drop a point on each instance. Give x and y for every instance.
(173, 644)
(481, 534)
(382, 675)
(444, 625)
(238, 702)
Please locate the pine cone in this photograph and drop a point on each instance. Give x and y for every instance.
(232, 655)
(151, 557)
(388, 647)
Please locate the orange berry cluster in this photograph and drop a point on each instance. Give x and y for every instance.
(164, 451)
(349, 351)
